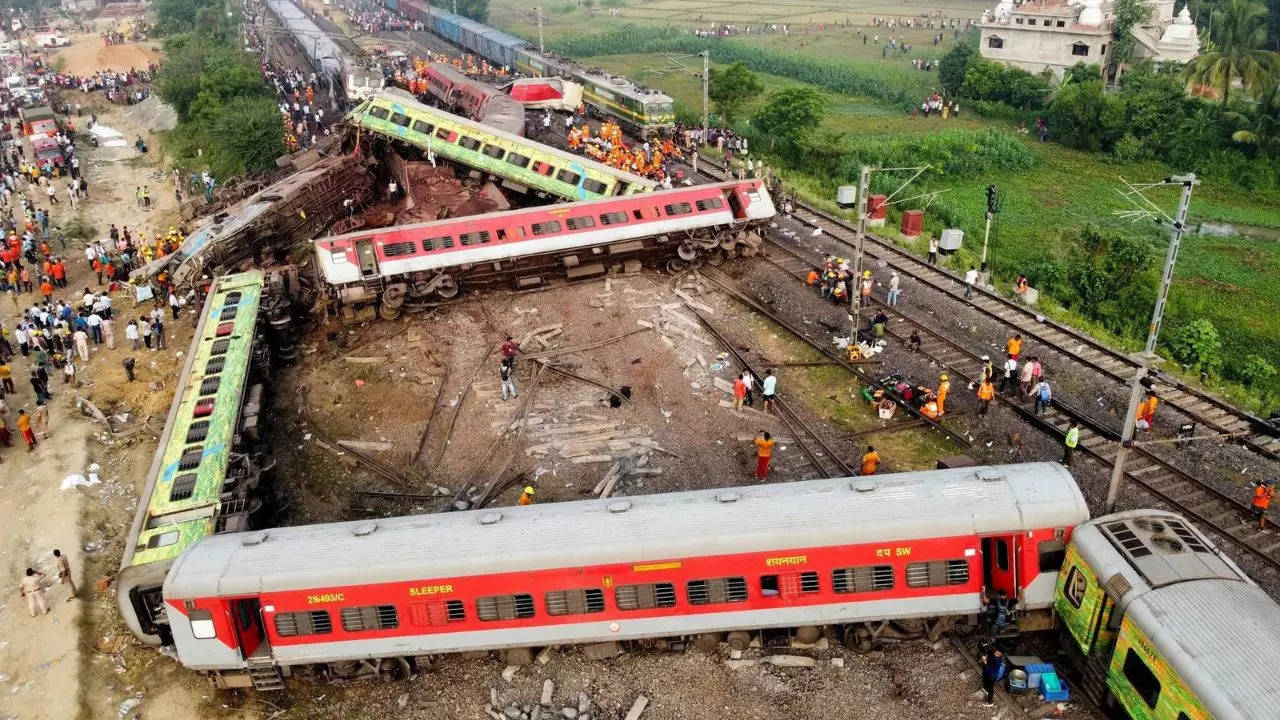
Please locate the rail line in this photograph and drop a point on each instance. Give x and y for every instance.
(1149, 469)
(1071, 344)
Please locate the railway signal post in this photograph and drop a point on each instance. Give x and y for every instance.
(1187, 182)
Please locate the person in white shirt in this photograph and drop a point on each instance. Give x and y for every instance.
(1010, 375)
(769, 389)
(95, 327)
(131, 334)
(970, 279)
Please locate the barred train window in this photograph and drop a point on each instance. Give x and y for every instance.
(437, 243)
(398, 249)
(575, 602)
(595, 187)
(520, 161)
(868, 578)
(437, 612)
(504, 607)
(683, 208)
(546, 228)
(710, 204)
(581, 223)
(400, 119)
(423, 127)
(494, 151)
(716, 590)
(469, 143)
(379, 112)
(613, 218)
(645, 596)
(568, 177)
(937, 572)
(306, 622)
(474, 238)
(370, 617)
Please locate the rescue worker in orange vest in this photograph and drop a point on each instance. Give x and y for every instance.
(944, 387)
(1014, 346)
(526, 497)
(870, 461)
(1147, 412)
(986, 392)
(1263, 491)
(813, 277)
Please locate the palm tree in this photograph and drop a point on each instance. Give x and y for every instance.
(1262, 128)
(1239, 36)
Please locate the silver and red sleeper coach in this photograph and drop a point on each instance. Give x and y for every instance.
(378, 595)
(576, 240)
(477, 100)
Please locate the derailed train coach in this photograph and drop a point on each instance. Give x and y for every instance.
(359, 598)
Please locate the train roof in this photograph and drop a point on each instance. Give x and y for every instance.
(1205, 616)
(758, 518)
(318, 45)
(506, 40)
(1222, 637)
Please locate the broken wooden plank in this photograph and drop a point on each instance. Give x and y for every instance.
(363, 360)
(591, 459)
(368, 445)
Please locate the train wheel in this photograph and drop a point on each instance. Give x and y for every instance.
(675, 266)
(707, 642)
(727, 241)
(387, 312)
(687, 251)
(808, 634)
(858, 639)
(716, 258)
(448, 288)
(396, 668)
(394, 295)
(739, 640)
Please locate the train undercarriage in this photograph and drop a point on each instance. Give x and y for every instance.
(675, 252)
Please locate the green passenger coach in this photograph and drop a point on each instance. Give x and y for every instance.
(199, 479)
(1163, 626)
(520, 163)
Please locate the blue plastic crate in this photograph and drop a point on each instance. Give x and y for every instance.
(1053, 689)
(1034, 671)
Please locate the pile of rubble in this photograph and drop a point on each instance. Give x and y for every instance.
(577, 707)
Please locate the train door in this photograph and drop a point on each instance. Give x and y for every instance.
(247, 616)
(368, 258)
(735, 203)
(1000, 564)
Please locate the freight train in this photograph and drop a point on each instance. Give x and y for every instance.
(204, 476)
(346, 73)
(642, 110)
(380, 595)
(521, 164)
(524, 247)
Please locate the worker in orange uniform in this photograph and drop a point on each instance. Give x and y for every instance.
(944, 388)
(1014, 346)
(870, 461)
(764, 453)
(1147, 412)
(1263, 491)
(526, 497)
(986, 393)
(813, 277)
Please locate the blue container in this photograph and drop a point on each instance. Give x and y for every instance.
(1034, 671)
(1053, 689)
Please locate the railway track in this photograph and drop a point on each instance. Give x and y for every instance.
(1150, 467)
(1214, 414)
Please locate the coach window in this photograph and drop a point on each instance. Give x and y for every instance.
(546, 228)
(937, 573)
(544, 169)
(425, 128)
(201, 624)
(568, 177)
(469, 143)
(710, 204)
(716, 590)
(520, 161)
(379, 112)
(867, 578)
(613, 218)
(400, 119)
(683, 208)
(1002, 554)
(1052, 555)
(504, 607)
(586, 222)
(474, 238)
(645, 596)
(370, 617)
(437, 612)
(437, 243)
(398, 249)
(306, 622)
(595, 187)
(446, 135)
(1141, 678)
(1075, 586)
(574, 602)
(494, 151)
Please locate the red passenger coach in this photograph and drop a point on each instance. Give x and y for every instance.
(916, 548)
(526, 246)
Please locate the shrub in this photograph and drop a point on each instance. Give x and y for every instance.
(1084, 116)
(1130, 149)
(1197, 346)
(1255, 372)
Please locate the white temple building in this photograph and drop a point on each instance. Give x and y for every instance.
(1036, 35)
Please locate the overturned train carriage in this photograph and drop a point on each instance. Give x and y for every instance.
(856, 553)
(526, 248)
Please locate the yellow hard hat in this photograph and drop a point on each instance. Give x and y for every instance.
(528, 489)
(944, 376)
(866, 273)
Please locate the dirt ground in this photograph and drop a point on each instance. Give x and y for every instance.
(88, 54)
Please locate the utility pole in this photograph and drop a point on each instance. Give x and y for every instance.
(855, 294)
(1187, 182)
(706, 92)
(541, 47)
(993, 207)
